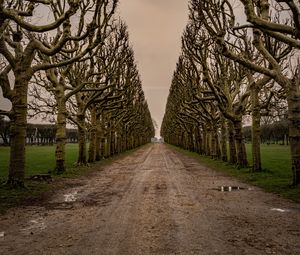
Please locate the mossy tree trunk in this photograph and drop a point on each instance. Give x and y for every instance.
(60, 130)
(108, 141)
(93, 135)
(18, 125)
(255, 132)
(294, 128)
(232, 147)
(81, 140)
(99, 135)
(223, 140)
(204, 140)
(240, 145)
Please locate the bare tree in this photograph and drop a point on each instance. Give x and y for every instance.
(219, 20)
(20, 43)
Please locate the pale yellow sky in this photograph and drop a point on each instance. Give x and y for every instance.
(155, 29)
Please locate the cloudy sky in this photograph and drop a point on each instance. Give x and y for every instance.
(155, 28)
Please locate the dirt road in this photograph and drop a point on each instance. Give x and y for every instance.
(154, 201)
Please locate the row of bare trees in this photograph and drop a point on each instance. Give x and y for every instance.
(227, 71)
(77, 68)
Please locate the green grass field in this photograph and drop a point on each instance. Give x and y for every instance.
(39, 159)
(276, 176)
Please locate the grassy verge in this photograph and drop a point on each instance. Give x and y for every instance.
(40, 159)
(276, 176)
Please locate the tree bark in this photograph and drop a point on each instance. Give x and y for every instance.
(93, 136)
(18, 125)
(232, 147)
(256, 155)
(81, 140)
(240, 146)
(294, 128)
(99, 154)
(60, 131)
(204, 140)
(223, 141)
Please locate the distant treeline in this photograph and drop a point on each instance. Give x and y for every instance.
(36, 134)
(276, 132)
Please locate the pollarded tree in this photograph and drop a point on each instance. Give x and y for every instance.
(58, 82)
(215, 13)
(225, 81)
(104, 82)
(285, 29)
(113, 60)
(20, 43)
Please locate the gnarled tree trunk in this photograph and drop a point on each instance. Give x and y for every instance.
(223, 140)
(81, 140)
(93, 136)
(256, 155)
(99, 154)
(18, 125)
(232, 147)
(293, 98)
(60, 131)
(240, 146)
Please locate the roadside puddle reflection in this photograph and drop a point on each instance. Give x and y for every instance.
(71, 197)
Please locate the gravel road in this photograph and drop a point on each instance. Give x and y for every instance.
(154, 201)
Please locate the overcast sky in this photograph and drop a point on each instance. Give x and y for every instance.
(155, 29)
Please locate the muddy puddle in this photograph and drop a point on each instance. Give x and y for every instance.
(230, 188)
(280, 210)
(71, 197)
(34, 226)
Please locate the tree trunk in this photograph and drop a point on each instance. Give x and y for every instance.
(217, 144)
(208, 143)
(93, 139)
(213, 144)
(232, 148)
(223, 140)
(256, 155)
(60, 132)
(98, 143)
(112, 142)
(294, 129)
(81, 140)
(108, 143)
(190, 141)
(103, 148)
(17, 138)
(240, 146)
(204, 140)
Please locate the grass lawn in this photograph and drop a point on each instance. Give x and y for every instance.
(39, 159)
(276, 176)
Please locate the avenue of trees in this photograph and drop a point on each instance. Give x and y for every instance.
(239, 61)
(70, 61)
(36, 134)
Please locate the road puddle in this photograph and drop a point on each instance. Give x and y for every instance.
(230, 188)
(280, 210)
(71, 197)
(36, 224)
